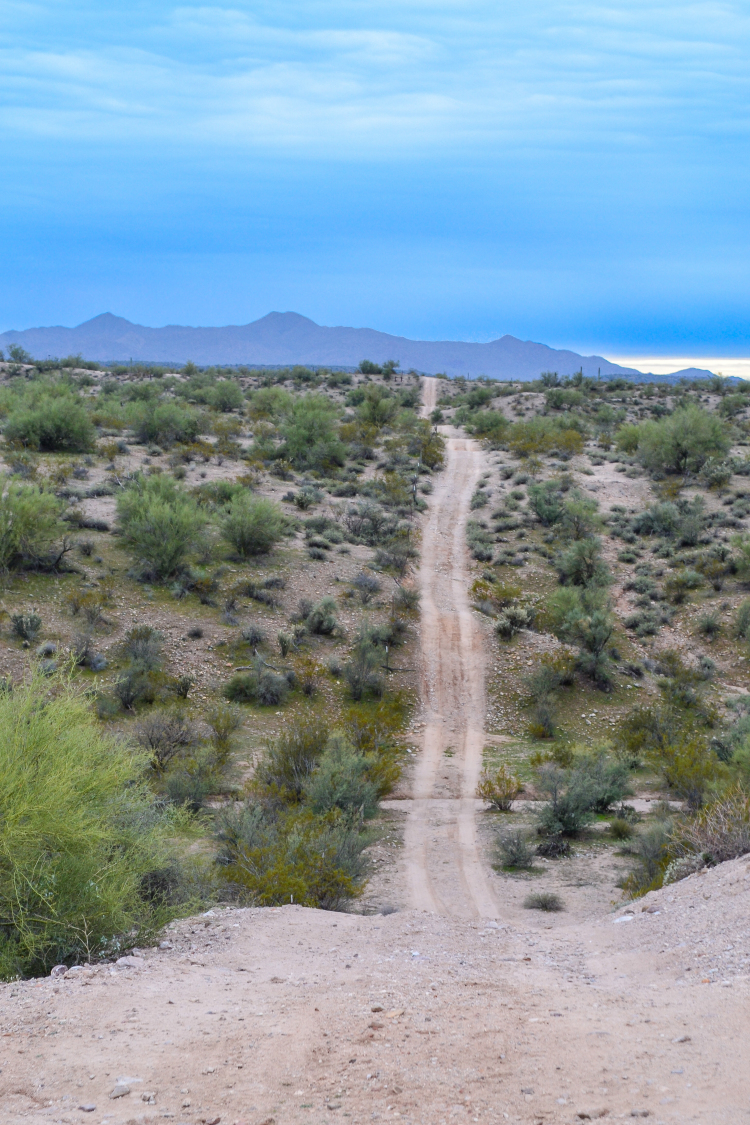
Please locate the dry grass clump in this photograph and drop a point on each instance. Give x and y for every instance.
(544, 900)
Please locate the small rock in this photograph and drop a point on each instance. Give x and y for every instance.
(58, 971)
(376, 1026)
(186, 1103)
(652, 909)
(149, 1096)
(640, 1113)
(527, 1089)
(213, 1120)
(130, 962)
(682, 1039)
(165, 945)
(377, 1008)
(89, 1107)
(120, 1090)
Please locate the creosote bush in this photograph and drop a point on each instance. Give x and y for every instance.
(31, 528)
(50, 422)
(161, 524)
(253, 525)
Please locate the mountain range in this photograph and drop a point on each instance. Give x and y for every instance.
(281, 339)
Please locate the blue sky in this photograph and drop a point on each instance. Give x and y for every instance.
(567, 172)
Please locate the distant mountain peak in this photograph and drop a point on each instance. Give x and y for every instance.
(282, 338)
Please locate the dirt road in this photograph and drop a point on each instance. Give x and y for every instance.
(445, 873)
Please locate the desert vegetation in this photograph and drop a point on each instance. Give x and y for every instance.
(208, 588)
(623, 585)
(207, 609)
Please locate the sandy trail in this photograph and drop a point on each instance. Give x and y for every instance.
(444, 871)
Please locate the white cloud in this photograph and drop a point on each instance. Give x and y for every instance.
(398, 78)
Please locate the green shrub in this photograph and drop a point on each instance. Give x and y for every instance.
(321, 620)
(709, 625)
(310, 437)
(590, 786)
(262, 686)
(51, 423)
(545, 434)
(605, 780)
(226, 395)
(341, 781)
(490, 425)
(80, 837)
(679, 585)
(362, 670)
(253, 525)
(580, 518)
(652, 850)
(682, 441)
(513, 849)
(582, 564)
(480, 541)
(31, 529)
(620, 829)
(135, 685)
(582, 616)
(142, 647)
(742, 624)
(161, 524)
(687, 765)
(545, 500)
(716, 473)
(291, 856)
(223, 721)
(165, 424)
(568, 810)
(289, 761)
(647, 622)
(191, 780)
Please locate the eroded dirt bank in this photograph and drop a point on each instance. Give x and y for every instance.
(460, 1008)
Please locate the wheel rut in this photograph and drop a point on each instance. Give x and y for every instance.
(444, 869)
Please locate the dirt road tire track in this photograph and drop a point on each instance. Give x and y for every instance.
(445, 872)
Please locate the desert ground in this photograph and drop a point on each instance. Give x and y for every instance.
(439, 999)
